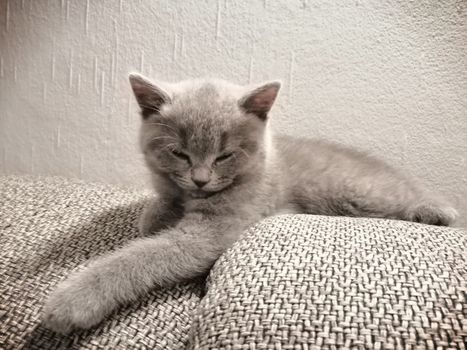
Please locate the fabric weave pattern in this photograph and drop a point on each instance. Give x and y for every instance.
(291, 282)
(317, 282)
(50, 227)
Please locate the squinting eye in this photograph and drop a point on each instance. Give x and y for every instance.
(181, 155)
(223, 157)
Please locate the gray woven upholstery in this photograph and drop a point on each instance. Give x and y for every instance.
(292, 282)
(316, 282)
(47, 228)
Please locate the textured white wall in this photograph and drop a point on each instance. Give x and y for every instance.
(385, 75)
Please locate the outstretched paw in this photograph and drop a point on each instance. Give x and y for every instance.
(433, 214)
(74, 305)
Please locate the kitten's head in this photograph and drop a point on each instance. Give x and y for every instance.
(204, 135)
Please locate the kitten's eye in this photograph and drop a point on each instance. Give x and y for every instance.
(223, 157)
(181, 155)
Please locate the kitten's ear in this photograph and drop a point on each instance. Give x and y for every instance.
(260, 100)
(149, 96)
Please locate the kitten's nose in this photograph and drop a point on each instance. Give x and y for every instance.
(201, 176)
(200, 183)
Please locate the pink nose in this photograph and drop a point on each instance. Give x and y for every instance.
(201, 176)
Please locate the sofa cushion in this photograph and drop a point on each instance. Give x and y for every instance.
(316, 282)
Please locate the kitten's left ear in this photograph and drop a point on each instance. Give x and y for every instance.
(260, 100)
(149, 96)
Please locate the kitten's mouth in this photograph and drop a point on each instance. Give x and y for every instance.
(200, 194)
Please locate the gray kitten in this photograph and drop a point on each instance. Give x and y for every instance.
(217, 169)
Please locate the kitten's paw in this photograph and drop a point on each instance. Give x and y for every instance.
(433, 214)
(149, 220)
(158, 215)
(74, 305)
(145, 226)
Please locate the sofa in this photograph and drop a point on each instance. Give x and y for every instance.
(290, 282)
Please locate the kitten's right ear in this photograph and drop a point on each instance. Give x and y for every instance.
(149, 96)
(260, 100)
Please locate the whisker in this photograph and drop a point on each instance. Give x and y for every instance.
(162, 124)
(147, 106)
(245, 152)
(168, 145)
(162, 137)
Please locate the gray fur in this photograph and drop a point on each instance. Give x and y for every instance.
(185, 128)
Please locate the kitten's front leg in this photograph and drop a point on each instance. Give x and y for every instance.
(178, 254)
(159, 214)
